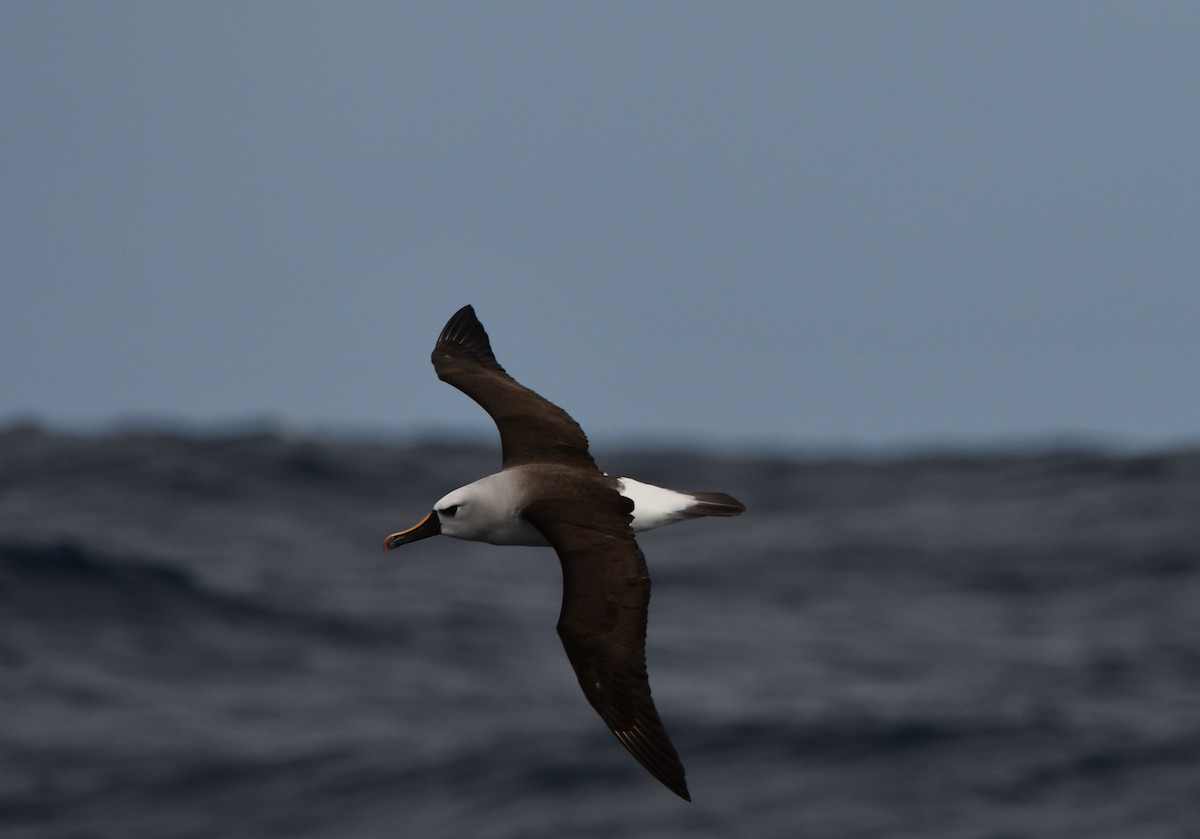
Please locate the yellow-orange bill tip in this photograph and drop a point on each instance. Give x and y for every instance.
(426, 527)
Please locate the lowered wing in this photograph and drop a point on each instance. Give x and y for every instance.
(606, 595)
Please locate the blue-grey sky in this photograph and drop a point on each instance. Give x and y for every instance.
(786, 223)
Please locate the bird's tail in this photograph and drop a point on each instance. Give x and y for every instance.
(713, 504)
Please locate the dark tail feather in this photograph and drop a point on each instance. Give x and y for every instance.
(714, 504)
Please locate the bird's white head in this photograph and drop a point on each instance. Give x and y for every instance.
(460, 512)
(476, 512)
(483, 511)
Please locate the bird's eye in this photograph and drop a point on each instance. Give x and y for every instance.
(450, 511)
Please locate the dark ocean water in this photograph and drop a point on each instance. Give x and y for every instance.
(202, 638)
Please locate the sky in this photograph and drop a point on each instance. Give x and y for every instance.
(783, 224)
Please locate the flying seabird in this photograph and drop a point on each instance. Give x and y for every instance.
(549, 492)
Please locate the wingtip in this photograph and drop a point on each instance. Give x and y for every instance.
(460, 322)
(679, 787)
(656, 754)
(464, 333)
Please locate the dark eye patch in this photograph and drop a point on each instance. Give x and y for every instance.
(450, 511)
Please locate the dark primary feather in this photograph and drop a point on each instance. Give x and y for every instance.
(606, 596)
(532, 429)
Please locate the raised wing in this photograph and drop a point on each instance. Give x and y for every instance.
(606, 594)
(532, 430)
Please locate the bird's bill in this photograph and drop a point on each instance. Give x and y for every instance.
(426, 527)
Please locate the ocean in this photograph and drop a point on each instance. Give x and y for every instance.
(201, 637)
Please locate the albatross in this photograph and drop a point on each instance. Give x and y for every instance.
(549, 492)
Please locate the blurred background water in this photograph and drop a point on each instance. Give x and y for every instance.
(765, 233)
(199, 637)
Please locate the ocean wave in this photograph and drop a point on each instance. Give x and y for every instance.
(64, 583)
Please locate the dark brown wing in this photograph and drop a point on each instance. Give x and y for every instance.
(532, 430)
(606, 594)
